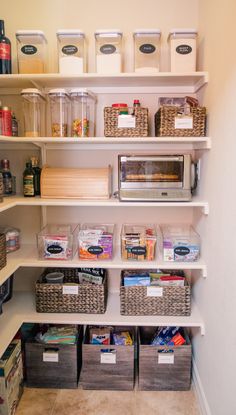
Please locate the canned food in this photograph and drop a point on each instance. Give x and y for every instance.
(5, 121)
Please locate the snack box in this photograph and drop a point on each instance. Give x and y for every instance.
(57, 241)
(138, 242)
(181, 243)
(95, 241)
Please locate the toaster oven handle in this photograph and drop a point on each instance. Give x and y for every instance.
(194, 176)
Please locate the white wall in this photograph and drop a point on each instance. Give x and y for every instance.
(215, 353)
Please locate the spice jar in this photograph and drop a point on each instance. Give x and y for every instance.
(71, 51)
(34, 112)
(108, 51)
(182, 45)
(147, 50)
(82, 112)
(31, 51)
(12, 238)
(59, 107)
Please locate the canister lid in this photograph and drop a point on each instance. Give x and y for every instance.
(147, 32)
(183, 32)
(58, 91)
(32, 91)
(108, 33)
(70, 32)
(82, 92)
(31, 35)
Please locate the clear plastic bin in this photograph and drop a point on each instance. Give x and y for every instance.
(147, 50)
(59, 108)
(138, 242)
(108, 51)
(31, 51)
(95, 241)
(82, 113)
(57, 241)
(34, 112)
(71, 51)
(181, 243)
(183, 46)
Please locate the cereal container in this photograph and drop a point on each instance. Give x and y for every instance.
(180, 243)
(71, 51)
(82, 112)
(95, 241)
(57, 241)
(59, 108)
(147, 50)
(108, 51)
(138, 242)
(34, 112)
(31, 51)
(182, 45)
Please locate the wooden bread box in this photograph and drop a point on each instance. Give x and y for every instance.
(76, 183)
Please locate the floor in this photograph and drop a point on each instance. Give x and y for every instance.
(81, 402)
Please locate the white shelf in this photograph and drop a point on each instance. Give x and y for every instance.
(10, 202)
(188, 82)
(21, 309)
(27, 256)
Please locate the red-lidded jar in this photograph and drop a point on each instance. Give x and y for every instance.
(122, 107)
(5, 121)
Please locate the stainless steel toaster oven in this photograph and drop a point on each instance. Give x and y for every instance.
(156, 178)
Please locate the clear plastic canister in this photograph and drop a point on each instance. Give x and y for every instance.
(34, 112)
(147, 50)
(108, 51)
(59, 108)
(31, 51)
(183, 46)
(82, 113)
(71, 51)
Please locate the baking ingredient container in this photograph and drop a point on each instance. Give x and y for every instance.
(71, 51)
(182, 45)
(34, 112)
(31, 51)
(147, 50)
(59, 108)
(108, 51)
(82, 112)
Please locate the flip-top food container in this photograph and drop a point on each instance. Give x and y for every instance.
(71, 51)
(147, 50)
(108, 51)
(31, 51)
(182, 45)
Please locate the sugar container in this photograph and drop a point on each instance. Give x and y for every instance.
(147, 50)
(34, 112)
(108, 51)
(82, 112)
(71, 51)
(182, 46)
(31, 51)
(59, 108)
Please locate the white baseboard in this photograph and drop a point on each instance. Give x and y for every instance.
(199, 391)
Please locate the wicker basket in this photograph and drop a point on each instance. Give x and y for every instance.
(165, 122)
(175, 301)
(91, 298)
(3, 251)
(111, 123)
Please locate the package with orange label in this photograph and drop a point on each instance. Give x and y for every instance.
(95, 241)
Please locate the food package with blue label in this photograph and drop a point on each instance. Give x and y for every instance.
(57, 242)
(95, 241)
(181, 243)
(138, 242)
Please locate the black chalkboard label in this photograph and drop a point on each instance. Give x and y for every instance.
(184, 49)
(95, 250)
(107, 49)
(69, 50)
(29, 49)
(138, 250)
(147, 48)
(54, 249)
(181, 250)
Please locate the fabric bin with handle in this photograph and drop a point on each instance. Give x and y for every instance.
(163, 367)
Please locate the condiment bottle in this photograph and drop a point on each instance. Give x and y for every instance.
(136, 103)
(14, 125)
(7, 177)
(37, 173)
(28, 181)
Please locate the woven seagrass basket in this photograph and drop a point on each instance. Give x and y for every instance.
(175, 301)
(91, 298)
(165, 122)
(111, 123)
(3, 251)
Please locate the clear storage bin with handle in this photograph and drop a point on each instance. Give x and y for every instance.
(183, 45)
(108, 51)
(82, 112)
(34, 112)
(31, 51)
(71, 51)
(147, 50)
(59, 108)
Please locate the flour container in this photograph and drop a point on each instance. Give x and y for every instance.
(108, 51)
(82, 112)
(59, 108)
(71, 51)
(147, 50)
(34, 112)
(31, 51)
(182, 45)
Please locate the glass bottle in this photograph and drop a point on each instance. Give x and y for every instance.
(28, 181)
(14, 125)
(5, 51)
(37, 173)
(7, 177)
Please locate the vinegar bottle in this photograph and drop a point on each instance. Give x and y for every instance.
(5, 51)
